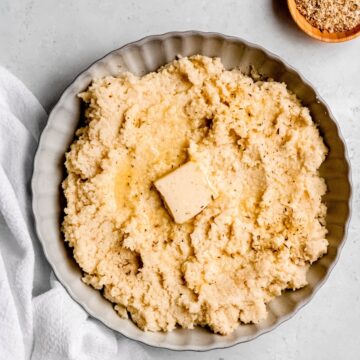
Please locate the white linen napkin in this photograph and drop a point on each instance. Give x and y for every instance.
(38, 319)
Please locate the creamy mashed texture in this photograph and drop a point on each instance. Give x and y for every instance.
(257, 146)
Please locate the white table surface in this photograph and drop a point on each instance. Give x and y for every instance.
(47, 42)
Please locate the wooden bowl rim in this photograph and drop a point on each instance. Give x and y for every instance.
(315, 33)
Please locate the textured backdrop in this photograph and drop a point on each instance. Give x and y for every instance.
(47, 42)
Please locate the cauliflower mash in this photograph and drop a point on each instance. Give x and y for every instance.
(259, 148)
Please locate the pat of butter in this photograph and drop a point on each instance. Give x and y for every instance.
(186, 191)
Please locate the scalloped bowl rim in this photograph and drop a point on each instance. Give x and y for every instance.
(214, 345)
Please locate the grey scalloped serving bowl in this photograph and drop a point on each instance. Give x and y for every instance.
(141, 57)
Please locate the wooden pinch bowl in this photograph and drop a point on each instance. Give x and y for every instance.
(315, 33)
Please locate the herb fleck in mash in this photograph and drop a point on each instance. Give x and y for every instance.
(260, 150)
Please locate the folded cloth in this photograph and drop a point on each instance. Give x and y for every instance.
(38, 319)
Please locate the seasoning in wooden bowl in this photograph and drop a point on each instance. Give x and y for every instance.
(331, 15)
